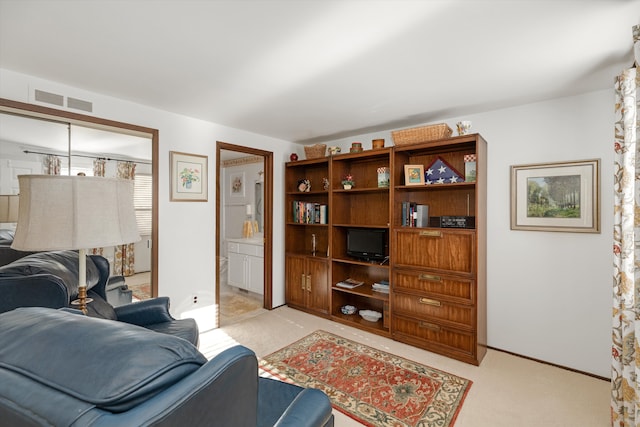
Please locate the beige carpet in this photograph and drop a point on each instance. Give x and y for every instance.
(508, 391)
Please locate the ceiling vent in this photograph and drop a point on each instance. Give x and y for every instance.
(79, 104)
(58, 100)
(49, 98)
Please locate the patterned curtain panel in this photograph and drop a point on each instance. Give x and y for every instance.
(99, 167)
(124, 254)
(625, 378)
(51, 164)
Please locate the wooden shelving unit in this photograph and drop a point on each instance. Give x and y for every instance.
(437, 276)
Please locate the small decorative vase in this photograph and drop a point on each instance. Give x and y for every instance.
(356, 147)
(347, 186)
(293, 157)
(377, 143)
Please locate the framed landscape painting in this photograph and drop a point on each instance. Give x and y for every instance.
(188, 177)
(562, 196)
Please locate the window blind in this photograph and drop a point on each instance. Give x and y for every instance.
(142, 198)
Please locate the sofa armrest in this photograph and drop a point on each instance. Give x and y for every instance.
(146, 312)
(223, 392)
(39, 290)
(311, 408)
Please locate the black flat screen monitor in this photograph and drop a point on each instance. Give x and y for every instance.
(367, 244)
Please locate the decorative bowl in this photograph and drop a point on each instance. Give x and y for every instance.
(370, 315)
(348, 309)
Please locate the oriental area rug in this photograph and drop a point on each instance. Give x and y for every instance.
(373, 387)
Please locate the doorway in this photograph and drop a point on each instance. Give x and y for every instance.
(259, 209)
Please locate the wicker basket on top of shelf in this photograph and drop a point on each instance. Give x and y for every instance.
(421, 134)
(315, 151)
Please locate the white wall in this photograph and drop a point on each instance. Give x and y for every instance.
(549, 293)
(186, 230)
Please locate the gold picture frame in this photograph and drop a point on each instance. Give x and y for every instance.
(413, 174)
(188, 177)
(562, 196)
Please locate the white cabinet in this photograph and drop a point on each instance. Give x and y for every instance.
(246, 264)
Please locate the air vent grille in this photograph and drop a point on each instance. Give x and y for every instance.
(49, 98)
(59, 100)
(79, 104)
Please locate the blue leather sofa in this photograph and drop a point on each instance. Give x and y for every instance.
(50, 279)
(60, 369)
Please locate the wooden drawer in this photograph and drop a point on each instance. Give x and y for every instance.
(453, 288)
(432, 336)
(454, 315)
(436, 248)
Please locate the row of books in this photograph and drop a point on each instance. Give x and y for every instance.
(415, 215)
(310, 213)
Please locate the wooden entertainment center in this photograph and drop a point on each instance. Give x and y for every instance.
(436, 274)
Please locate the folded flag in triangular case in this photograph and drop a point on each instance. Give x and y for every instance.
(441, 172)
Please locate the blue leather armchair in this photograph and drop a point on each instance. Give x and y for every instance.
(64, 369)
(50, 279)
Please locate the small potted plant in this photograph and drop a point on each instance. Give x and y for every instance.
(347, 181)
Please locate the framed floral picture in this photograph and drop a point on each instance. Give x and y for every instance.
(236, 184)
(188, 177)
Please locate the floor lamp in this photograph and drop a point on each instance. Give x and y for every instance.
(74, 212)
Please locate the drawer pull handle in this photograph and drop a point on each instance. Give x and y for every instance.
(430, 326)
(303, 282)
(431, 233)
(429, 301)
(309, 283)
(431, 277)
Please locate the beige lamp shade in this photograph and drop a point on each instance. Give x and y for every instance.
(74, 212)
(8, 208)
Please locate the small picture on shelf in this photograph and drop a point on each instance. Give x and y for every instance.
(470, 168)
(413, 175)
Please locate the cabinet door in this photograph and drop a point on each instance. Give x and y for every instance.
(318, 290)
(237, 271)
(255, 271)
(441, 249)
(295, 280)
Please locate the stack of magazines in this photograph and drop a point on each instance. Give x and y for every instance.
(381, 286)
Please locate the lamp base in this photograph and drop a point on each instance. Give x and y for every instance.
(82, 300)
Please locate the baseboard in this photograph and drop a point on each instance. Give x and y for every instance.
(551, 364)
